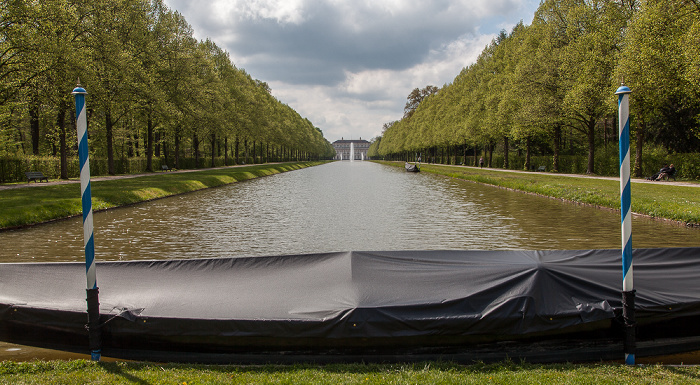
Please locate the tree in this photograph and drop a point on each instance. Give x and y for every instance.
(654, 62)
(114, 48)
(63, 23)
(588, 62)
(416, 97)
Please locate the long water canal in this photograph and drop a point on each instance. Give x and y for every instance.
(339, 206)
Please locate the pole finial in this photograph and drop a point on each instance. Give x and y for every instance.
(79, 89)
(623, 89)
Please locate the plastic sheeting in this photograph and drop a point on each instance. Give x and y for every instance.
(349, 300)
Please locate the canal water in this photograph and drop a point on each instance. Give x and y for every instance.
(340, 206)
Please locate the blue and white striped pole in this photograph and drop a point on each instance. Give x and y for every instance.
(628, 292)
(93, 304)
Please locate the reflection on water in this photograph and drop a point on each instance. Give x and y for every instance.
(338, 207)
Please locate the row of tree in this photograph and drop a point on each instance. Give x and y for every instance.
(153, 89)
(555, 80)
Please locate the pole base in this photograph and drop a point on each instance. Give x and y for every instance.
(630, 339)
(93, 325)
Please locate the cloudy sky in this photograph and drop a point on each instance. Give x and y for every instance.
(348, 65)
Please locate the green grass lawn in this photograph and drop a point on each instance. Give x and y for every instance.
(87, 372)
(26, 206)
(659, 200)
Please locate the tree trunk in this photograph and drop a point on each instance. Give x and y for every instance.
(639, 144)
(195, 145)
(226, 151)
(34, 128)
(61, 122)
(137, 152)
(528, 143)
(109, 124)
(605, 134)
(157, 143)
(213, 148)
(591, 146)
(177, 146)
(506, 149)
(245, 151)
(238, 159)
(149, 143)
(557, 148)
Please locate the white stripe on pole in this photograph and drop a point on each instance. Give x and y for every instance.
(86, 194)
(626, 224)
(625, 193)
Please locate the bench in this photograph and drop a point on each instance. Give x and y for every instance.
(670, 175)
(165, 167)
(542, 168)
(35, 176)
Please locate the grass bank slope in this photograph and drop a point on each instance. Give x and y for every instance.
(87, 372)
(659, 199)
(36, 204)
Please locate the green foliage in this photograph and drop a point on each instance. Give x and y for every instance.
(655, 62)
(559, 75)
(153, 90)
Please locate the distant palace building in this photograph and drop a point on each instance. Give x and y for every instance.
(343, 147)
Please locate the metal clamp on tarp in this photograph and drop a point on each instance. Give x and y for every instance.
(125, 313)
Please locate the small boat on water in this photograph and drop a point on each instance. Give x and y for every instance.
(539, 306)
(410, 167)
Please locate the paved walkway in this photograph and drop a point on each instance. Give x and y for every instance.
(100, 178)
(634, 180)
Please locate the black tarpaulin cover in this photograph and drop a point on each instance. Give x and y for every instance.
(344, 299)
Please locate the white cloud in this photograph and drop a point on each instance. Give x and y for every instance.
(367, 99)
(348, 65)
(283, 11)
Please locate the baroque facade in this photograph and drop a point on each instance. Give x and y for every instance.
(344, 147)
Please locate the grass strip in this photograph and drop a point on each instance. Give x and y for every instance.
(658, 200)
(27, 206)
(88, 372)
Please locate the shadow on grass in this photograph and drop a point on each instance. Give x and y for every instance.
(117, 369)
